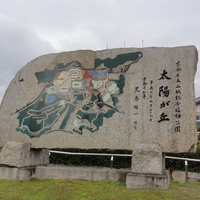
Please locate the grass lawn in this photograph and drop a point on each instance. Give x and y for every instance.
(87, 190)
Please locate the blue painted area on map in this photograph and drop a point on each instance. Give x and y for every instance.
(50, 98)
(94, 72)
(23, 128)
(105, 72)
(100, 73)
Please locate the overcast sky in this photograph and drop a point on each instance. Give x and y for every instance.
(30, 28)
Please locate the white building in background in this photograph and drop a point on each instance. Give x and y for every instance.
(198, 111)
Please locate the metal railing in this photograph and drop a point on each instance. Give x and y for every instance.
(128, 155)
(185, 159)
(91, 154)
(112, 155)
(186, 164)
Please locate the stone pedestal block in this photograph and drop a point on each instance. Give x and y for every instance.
(14, 173)
(20, 154)
(147, 181)
(147, 159)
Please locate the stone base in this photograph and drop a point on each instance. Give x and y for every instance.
(80, 173)
(14, 173)
(144, 181)
(63, 172)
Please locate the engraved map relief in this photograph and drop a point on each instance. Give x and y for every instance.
(75, 98)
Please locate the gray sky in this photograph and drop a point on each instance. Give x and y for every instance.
(30, 28)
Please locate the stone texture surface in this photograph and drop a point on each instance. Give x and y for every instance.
(84, 173)
(181, 176)
(150, 102)
(14, 173)
(64, 172)
(147, 181)
(20, 154)
(147, 159)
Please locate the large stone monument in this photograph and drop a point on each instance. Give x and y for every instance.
(139, 99)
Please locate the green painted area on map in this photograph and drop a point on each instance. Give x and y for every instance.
(118, 60)
(47, 75)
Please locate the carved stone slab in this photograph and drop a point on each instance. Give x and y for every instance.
(109, 99)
